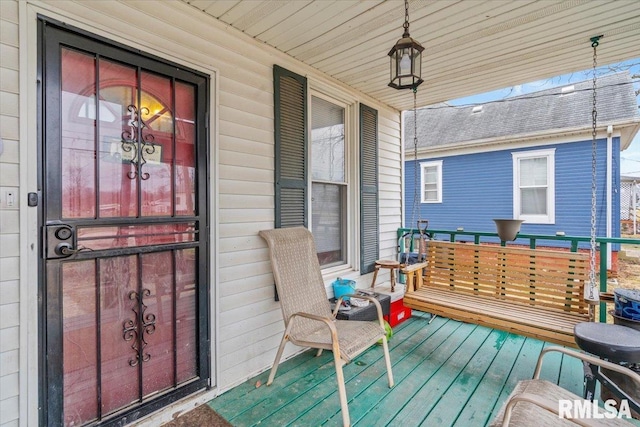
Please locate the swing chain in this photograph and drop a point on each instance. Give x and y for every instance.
(416, 204)
(594, 116)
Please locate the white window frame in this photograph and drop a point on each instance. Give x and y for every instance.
(349, 179)
(550, 216)
(438, 165)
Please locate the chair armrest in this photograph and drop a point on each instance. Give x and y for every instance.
(326, 320)
(602, 377)
(542, 402)
(367, 297)
(585, 358)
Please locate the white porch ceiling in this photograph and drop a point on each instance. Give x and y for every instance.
(471, 46)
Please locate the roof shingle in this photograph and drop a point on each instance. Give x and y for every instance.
(536, 112)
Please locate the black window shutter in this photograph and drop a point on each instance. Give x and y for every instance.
(291, 145)
(369, 229)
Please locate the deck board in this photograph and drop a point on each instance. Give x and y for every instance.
(401, 353)
(409, 376)
(477, 411)
(322, 403)
(446, 373)
(522, 368)
(443, 367)
(464, 385)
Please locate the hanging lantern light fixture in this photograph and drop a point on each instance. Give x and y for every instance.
(406, 59)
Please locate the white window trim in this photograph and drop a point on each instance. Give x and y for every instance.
(550, 217)
(350, 182)
(423, 166)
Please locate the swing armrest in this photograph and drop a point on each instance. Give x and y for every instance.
(607, 297)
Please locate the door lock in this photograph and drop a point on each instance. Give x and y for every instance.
(60, 241)
(63, 233)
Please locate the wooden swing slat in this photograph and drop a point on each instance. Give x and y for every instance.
(531, 292)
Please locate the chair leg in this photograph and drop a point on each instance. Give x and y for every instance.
(387, 361)
(375, 275)
(319, 352)
(342, 391)
(276, 362)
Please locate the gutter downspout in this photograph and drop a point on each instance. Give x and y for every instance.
(609, 189)
(634, 194)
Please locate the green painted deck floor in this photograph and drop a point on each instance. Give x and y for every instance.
(446, 373)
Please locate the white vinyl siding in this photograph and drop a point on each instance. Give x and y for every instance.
(9, 216)
(534, 186)
(248, 321)
(431, 182)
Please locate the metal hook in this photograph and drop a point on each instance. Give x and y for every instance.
(595, 40)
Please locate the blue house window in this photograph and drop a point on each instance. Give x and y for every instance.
(431, 182)
(534, 186)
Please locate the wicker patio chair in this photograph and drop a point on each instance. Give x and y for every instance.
(536, 401)
(309, 321)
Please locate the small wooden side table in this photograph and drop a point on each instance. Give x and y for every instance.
(386, 263)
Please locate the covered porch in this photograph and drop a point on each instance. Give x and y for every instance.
(447, 373)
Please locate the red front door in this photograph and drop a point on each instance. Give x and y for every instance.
(125, 234)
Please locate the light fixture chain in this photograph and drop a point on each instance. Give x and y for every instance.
(406, 15)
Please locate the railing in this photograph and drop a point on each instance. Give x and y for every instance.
(573, 243)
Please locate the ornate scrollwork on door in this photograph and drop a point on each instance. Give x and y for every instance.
(137, 141)
(138, 328)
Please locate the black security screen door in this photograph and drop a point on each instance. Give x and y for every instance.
(125, 237)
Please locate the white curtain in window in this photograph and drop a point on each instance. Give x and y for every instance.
(327, 221)
(327, 140)
(430, 180)
(533, 186)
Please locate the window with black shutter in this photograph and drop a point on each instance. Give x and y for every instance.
(316, 142)
(369, 229)
(291, 147)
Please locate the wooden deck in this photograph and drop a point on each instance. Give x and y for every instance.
(447, 373)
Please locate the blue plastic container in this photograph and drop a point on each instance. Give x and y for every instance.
(342, 287)
(627, 303)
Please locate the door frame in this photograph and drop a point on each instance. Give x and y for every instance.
(31, 219)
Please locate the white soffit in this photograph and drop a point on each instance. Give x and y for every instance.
(471, 47)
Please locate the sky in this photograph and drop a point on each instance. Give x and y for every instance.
(629, 158)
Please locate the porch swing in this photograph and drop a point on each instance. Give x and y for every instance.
(464, 282)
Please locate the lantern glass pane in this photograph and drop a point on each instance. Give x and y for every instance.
(392, 66)
(405, 63)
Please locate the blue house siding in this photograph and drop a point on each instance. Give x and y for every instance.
(479, 187)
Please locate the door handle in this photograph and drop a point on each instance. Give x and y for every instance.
(60, 241)
(65, 249)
